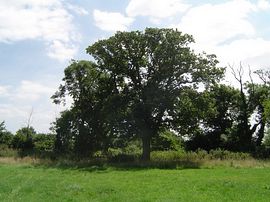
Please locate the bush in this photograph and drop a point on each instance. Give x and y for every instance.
(228, 155)
(198, 155)
(44, 143)
(167, 155)
(5, 136)
(266, 139)
(5, 151)
(23, 139)
(262, 152)
(166, 141)
(127, 154)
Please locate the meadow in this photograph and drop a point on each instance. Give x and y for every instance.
(24, 181)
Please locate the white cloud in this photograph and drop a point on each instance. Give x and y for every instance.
(28, 96)
(263, 4)
(252, 53)
(61, 51)
(111, 21)
(32, 91)
(214, 24)
(225, 29)
(16, 116)
(243, 49)
(4, 91)
(11, 111)
(156, 9)
(77, 9)
(37, 19)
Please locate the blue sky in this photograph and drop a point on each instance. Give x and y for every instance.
(38, 38)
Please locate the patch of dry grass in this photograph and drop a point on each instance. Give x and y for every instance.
(245, 163)
(200, 163)
(25, 160)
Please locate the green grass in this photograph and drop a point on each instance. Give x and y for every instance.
(25, 182)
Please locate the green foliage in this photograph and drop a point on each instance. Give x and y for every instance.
(167, 140)
(65, 134)
(130, 153)
(167, 156)
(83, 129)
(225, 118)
(266, 105)
(218, 115)
(5, 136)
(6, 151)
(251, 102)
(23, 139)
(182, 156)
(228, 155)
(266, 141)
(44, 143)
(133, 88)
(143, 84)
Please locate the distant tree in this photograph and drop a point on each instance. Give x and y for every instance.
(259, 97)
(250, 102)
(264, 75)
(218, 115)
(65, 136)
(83, 128)
(23, 139)
(220, 124)
(266, 140)
(5, 136)
(44, 143)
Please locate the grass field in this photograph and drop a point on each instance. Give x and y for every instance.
(22, 182)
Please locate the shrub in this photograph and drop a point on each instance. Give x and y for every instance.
(43, 146)
(167, 140)
(44, 143)
(228, 155)
(23, 139)
(5, 151)
(5, 136)
(198, 155)
(127, 154)
(167, 155)
(262, 152)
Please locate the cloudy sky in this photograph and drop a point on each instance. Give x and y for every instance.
(38, 38)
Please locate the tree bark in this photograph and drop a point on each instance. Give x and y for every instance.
(260, 134)
(146, 139)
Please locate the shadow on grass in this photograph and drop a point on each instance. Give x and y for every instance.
(105, 166)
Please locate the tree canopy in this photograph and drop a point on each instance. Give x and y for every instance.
(149, 91)
(138, 79)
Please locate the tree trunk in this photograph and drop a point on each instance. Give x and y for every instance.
(260, 134)
(146, 139)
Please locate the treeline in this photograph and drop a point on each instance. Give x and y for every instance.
(26, 142)
(144, 84)
(148, 91)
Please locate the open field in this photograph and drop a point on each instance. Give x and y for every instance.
(26, 182)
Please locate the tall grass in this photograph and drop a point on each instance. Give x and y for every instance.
(159, 159)
(213, 158)
(198, 155)
(5, 151)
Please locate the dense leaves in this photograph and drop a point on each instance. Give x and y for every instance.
(148, 91)
(5, 136)
(132, 90)
(23, 138)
